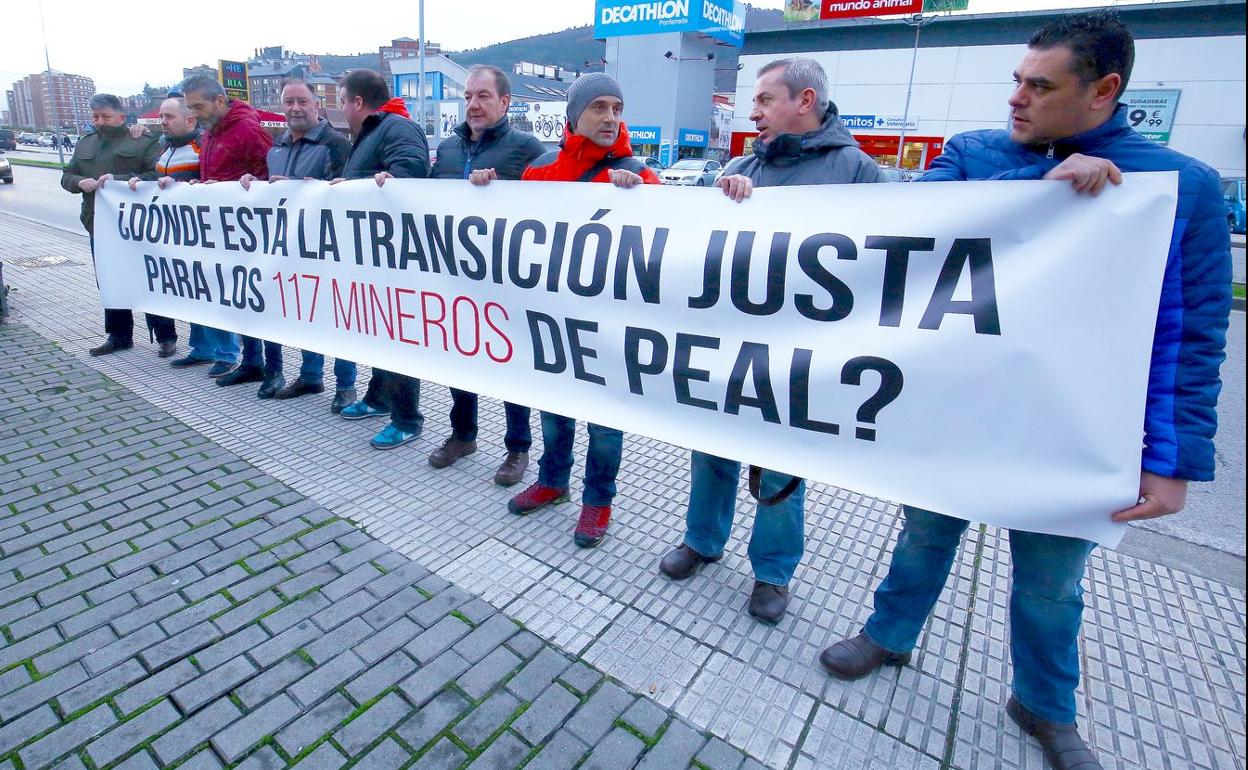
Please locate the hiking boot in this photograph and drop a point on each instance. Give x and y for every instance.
(536, 496)
(299, 388)
(512, 470)
(451, 450)
(682, 562)
(591, 528)
(1062, 746)
(768, 602)
(858, 656)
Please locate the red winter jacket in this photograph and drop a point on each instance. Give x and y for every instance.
(578, 155)
(237, 145)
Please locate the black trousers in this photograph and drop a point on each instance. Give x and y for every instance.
(119, 322)
(401, 394)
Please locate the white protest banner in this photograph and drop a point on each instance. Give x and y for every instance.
(979, 349)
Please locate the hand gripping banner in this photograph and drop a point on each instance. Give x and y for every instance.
(979, 348)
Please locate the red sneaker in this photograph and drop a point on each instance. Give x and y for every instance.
(591, 528)
(536, 496)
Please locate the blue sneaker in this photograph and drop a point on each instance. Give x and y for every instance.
(360, 410)
(390, 437)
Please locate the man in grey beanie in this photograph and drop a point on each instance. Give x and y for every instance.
(587, 88)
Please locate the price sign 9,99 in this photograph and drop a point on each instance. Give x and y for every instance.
(1151, 112)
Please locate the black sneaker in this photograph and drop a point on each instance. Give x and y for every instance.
(187, 362)
(240, 375)
(270, 386)
(221, 368)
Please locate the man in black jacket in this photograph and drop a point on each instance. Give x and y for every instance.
(387, 145)
(485, 145)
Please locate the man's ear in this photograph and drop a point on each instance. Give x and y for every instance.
(1106, 91)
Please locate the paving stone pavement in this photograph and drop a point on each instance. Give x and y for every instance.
(215, 577)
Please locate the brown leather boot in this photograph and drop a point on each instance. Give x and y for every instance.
(1062, 746)
(451, 450)
(855, 658)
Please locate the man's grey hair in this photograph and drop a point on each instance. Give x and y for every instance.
(106, 102)
(202, 85)
(801, 73)
(501, 83)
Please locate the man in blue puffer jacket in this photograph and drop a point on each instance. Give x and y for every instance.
(1067, 125)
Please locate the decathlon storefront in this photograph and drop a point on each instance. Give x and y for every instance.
(1187, 89)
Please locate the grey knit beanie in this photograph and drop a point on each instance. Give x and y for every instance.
(587, 88)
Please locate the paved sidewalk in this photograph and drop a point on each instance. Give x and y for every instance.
(1163, 650)
(165, 602)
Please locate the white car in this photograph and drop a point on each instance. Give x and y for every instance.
(697, 172)
(721, 171)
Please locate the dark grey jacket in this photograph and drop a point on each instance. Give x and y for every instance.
(501, 148)
(827, 155)
(319, 154)
(388, 142)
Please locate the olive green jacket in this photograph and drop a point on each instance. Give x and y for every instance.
(97, 154)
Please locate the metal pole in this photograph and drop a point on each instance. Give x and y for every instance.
(47, 83)
(420, 96)
(917, 21)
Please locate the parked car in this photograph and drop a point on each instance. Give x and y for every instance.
(1233, 192)
(724, 168)
(6, 170)
(697, 172)
(652, 163)
(8, 139)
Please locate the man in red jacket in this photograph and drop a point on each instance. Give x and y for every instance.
(595, 148)
(233, 144)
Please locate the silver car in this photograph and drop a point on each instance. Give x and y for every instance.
(694, 172)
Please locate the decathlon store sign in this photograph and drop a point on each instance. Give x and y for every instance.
(721, 19)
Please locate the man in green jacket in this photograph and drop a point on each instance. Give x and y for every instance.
(109, 151)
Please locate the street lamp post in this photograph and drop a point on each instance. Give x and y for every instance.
(674, 142)
(47, 83)
(918, 21)
(420, 54)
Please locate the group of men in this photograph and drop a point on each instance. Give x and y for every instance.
(1067, 124)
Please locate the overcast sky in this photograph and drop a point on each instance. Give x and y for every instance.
(121, 43)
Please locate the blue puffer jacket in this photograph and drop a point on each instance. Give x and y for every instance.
(1188, 344)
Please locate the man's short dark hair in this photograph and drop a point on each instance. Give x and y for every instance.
(203, 85)
(501, 84)
(367, 85)
(1099, 42)
(106, 102)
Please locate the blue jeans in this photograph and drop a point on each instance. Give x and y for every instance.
(1046, 604)
(262, 354)
(211, 344)
(778, 539)
(602, 460)
(312, 370)
(519, 436)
